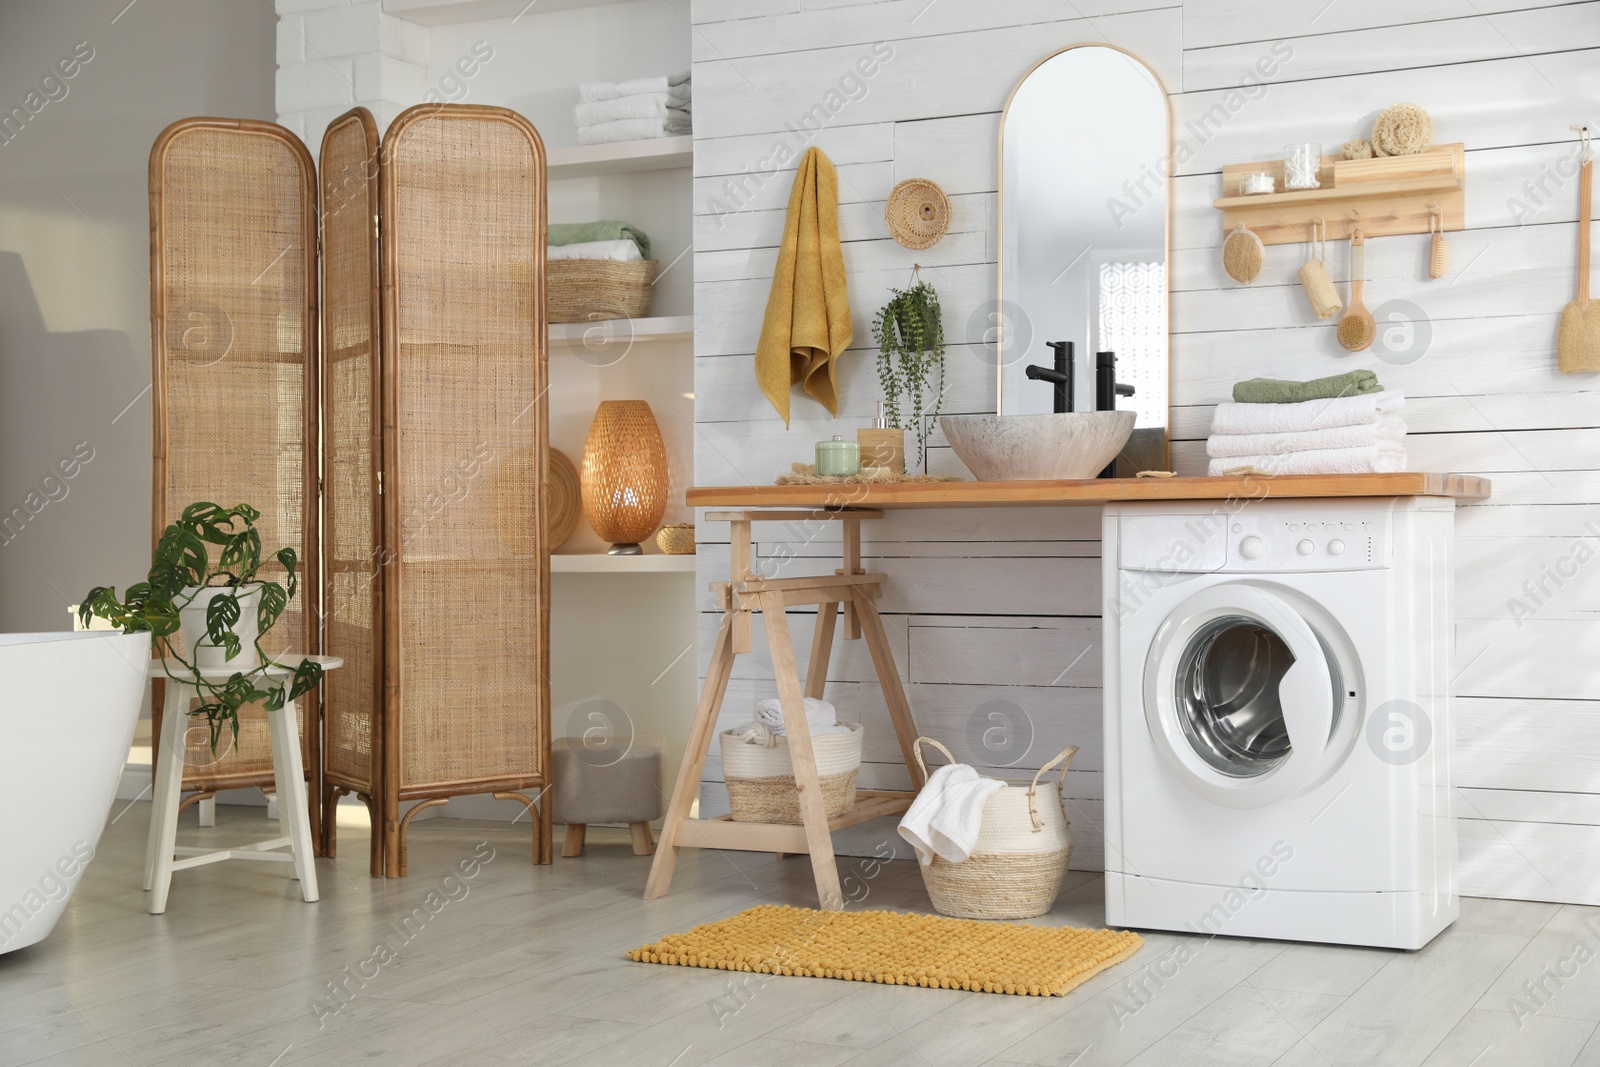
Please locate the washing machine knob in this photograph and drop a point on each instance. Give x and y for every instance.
(1336, 547)
(1305, 548)
(1252, 547)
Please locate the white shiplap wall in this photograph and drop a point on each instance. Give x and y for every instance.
(1004, 604)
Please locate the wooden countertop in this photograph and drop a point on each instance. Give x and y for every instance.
(1088, 491)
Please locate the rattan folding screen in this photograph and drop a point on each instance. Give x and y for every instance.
(233, 313)
(447, 601)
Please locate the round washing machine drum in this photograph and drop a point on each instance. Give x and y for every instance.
(1241, 695)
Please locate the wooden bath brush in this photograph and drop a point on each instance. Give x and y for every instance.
(1439, 248)
(1578, 346)
(1243, 254)
(1357, 327)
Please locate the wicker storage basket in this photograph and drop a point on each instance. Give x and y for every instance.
(677, 539)
(1015, 870)
(760, 777)
(586, 290)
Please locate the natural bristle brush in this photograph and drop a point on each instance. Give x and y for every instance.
(1357, 327)
(1439, 252)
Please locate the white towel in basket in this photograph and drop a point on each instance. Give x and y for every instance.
(821, 718)
(947, 815)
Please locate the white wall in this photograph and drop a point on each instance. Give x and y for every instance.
(1003, 605)
(74, 266)
(621, 645)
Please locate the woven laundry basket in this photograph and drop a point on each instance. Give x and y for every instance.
(588, 290)
(1015, 870)
(760, 777)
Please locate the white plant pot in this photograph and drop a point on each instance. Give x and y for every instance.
(192, 618)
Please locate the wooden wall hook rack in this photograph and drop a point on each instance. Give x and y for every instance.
(1386, 196)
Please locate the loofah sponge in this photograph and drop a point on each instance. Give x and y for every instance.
(1357, 150)
(1402, 130)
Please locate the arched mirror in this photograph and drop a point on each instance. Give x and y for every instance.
(1084, 147)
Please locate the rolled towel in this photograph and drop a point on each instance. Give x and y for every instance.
(645, 106)
(1388, 428)
(947, 816)
(1310, 415)
(634, 130)
(820, 717)
(660, 83)
(1368, 459)
(1272, 391)
(572, 233)
(623, 251)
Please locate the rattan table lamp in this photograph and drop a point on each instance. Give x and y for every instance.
(624, 475)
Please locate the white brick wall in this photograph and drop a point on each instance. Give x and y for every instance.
(333, 55)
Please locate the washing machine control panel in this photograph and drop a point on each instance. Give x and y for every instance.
(1306, 542)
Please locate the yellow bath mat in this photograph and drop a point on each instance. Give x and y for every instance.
(897, 949)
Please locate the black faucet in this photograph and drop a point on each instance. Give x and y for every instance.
(1061, 376)
(1106, 391)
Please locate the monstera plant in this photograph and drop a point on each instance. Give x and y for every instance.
(221, 610)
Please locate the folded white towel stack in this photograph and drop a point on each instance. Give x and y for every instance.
(623, 251)
(1343, 435)
(821, 718)
(947, 816)
(634, 110)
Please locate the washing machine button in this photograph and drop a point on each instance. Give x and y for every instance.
(1252, 547)
(1336, 547)
(1305, 548)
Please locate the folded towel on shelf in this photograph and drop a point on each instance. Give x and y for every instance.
(821, 718)
(634, 129)
(1388, 428)
(1368, 459)
(807, 321)
(623, 251)
(1273, 391)
(675, 84)
(947, 816)
(1308, 415)
(574, 233)
(644, 106)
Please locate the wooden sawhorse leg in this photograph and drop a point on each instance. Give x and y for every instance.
(854, 592)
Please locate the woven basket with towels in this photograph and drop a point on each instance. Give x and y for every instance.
(1021, 854)
(760, 775)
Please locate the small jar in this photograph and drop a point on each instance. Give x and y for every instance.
(1257, 183)
(838, 457)
(1301, 164)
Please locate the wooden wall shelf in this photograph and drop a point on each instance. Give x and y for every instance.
(1387, 196)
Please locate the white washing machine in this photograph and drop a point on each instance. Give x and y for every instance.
(1277, 686)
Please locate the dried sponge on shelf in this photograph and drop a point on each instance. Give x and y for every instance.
(1402, 130)
(1357, 150)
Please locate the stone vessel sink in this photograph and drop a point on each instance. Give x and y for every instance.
(1004, 448)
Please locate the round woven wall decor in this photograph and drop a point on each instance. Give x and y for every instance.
(566, 501)
(917, 214)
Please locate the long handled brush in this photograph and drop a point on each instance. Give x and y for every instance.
(1579, 346)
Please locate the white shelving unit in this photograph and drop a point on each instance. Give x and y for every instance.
(622, 157)
(605, 332)
(600, 563)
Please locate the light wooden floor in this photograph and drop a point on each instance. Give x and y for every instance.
(523, 965)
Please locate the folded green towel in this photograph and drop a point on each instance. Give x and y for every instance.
(1271, 391)
(572, 233)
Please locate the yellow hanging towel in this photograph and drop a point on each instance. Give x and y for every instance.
(807, 324)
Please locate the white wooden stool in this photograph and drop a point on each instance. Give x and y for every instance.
(283, 726)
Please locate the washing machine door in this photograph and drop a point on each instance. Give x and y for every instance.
(1240, 695)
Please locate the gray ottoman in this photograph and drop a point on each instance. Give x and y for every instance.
(613, 780)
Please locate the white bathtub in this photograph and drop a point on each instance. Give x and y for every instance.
(68, 706)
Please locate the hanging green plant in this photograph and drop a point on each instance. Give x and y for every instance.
(910, 335)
